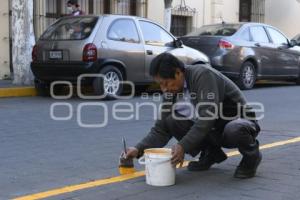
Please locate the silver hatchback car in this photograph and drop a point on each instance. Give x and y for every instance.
(118, 47)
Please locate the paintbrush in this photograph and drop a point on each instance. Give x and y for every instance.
(125, 165)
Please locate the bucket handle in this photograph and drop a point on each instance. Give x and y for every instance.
(142, 161)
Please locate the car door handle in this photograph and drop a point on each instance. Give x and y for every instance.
(257, 44)
(149, 52)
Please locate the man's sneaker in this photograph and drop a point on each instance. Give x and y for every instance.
(247, 167)
(207, 159)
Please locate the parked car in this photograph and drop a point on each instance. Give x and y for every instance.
(119, 47)
(247, 52)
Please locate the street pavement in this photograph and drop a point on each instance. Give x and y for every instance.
(7, 84)
(38, 153)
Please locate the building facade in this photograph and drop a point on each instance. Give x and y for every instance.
(4, 41)
(187, 15)
(284, 15)
(47, 11)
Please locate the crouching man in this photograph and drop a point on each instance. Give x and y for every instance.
(204, 111)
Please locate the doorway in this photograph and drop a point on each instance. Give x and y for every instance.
(245, 10)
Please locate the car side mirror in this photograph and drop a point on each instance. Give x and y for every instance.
(178, 43)
(284, 46)
(293, 43)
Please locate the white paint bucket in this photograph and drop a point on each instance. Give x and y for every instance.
(158, 168)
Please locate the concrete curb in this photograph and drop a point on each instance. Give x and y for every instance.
(17, 92)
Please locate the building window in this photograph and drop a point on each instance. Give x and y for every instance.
(91, 6)
(122, 7)
(133, 6)
(130, 7)
(245, 11)
(181, 25)
(47, 12)
(106, 7)
(258, 11)
(182, 19)
(252, 11)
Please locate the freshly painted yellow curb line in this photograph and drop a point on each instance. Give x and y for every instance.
(17, 92)
(122, 178)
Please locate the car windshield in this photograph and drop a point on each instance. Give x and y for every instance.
(216, 30)
(75, 28)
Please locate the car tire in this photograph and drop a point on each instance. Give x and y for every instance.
(247, 77)
(110, 85)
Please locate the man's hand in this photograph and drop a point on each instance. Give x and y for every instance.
(132, 152)
(177, 155)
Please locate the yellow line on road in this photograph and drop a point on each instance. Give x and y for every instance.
(122, 178)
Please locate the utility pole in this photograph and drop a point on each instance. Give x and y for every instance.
(23, 40)
(168, 14)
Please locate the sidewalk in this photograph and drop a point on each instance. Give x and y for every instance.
(7, 89)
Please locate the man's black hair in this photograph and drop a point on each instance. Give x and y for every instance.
(165, 66)
(72, 2)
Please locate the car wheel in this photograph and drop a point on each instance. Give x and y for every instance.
(110, 84)
(247, 77)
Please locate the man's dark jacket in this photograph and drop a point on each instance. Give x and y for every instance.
(202, 80)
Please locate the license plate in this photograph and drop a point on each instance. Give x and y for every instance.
(57, 55)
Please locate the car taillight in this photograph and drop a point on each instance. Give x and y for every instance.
(89, 53)
(34, 53)
(223, 44)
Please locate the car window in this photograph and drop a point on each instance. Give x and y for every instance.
(276, 36)
(76, 28)
(216, 30)
(123, 30)
(259, 34)
(155, 35)
(245, 35)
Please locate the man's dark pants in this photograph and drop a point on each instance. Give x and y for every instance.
(239, 133)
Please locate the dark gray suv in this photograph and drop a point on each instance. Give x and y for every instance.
(118, 47)
(247, 52)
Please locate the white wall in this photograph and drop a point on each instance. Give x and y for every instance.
(156, 10)
(224, 9)
(4, 40)
(230, 10)
(208, 11)
(285, 15)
